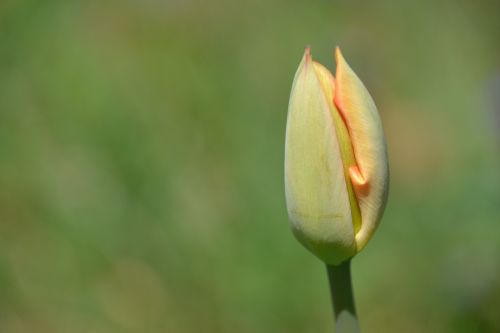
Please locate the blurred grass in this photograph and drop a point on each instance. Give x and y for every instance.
(141, 165)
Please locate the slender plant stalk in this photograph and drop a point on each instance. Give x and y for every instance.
(344, 310)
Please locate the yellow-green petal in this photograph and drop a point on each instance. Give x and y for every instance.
(316, 192)
(327, 82)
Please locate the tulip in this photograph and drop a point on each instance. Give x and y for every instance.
(336, 169)
(336, 172)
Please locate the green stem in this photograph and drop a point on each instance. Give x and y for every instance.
(342, 298)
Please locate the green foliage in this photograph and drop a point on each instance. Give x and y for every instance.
(141, 165)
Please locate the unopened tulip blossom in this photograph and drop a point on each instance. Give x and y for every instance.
(336, 171)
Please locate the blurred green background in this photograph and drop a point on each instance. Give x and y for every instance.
(141, 165)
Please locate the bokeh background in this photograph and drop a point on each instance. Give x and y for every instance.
(141, 165)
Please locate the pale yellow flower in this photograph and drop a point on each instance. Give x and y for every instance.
(336, 169)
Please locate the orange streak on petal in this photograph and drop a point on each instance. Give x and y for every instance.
(356, 174)
(358, 181)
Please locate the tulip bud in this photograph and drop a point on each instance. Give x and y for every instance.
(336, 170)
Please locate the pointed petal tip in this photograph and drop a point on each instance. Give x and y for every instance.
(338, 53)
(307, 54)
(306, 58)
(339, 58)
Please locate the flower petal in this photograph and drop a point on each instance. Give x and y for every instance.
(327, 82)
(370, 176)
(316, 194)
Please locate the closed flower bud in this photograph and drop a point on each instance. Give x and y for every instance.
(336, 170)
